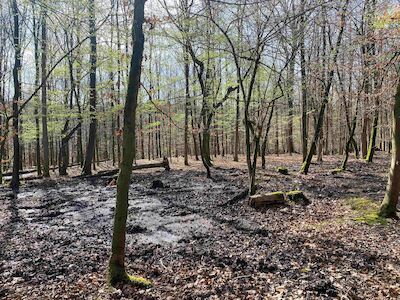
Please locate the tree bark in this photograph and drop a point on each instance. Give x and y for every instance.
(17, 96)
(90, 148)
(304, 129)
(116, 270)
(45, 134)
(389, 203)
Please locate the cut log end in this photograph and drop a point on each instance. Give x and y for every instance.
(278, 198)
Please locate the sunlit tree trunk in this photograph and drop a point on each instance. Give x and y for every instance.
(389, 203)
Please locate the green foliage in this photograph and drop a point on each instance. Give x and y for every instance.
(152, 125)
(366, 211)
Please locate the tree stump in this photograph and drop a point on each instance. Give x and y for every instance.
(264, 200)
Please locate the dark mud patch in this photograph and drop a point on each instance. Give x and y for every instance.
(194, 243)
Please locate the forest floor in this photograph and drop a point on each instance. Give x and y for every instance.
(55, 237)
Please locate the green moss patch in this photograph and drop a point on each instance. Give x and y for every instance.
(277, 193)
(366, 211)
(117, 274)
(140, 281)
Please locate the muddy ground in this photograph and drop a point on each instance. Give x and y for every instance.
(55, 237)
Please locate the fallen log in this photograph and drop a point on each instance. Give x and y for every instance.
(164, 164)
(278, 198)
(264, 200)
(26, 178)
(297, 197)
(51, 168)
(282, 170)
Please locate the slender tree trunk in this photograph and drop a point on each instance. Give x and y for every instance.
(36, 110)
(325, 99)
(193, 113)
(374, 129)
(119, 72)
(237, 123)
(117, 271)
(90, 147)
(351, 138)
(187, 105)
(141, 136)
(290, 97)
(265, 141)
(17, 96)
(45, 134)
(304, 129)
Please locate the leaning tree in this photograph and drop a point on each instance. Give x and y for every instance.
(116, 269)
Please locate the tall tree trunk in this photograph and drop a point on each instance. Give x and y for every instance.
(116, 270)
(304, 130)
(37, 79)
(17, 96)
(290, 97)
(90, 148)
(389, 203)
(45, 134)
(237, 123)
(119, 72)
(187, 105)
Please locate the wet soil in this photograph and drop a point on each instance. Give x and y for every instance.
(186, 237)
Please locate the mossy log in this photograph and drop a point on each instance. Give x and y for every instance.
(264, 200)
(278, 198)
(297, 197)
(282, 170)
(337, 171)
